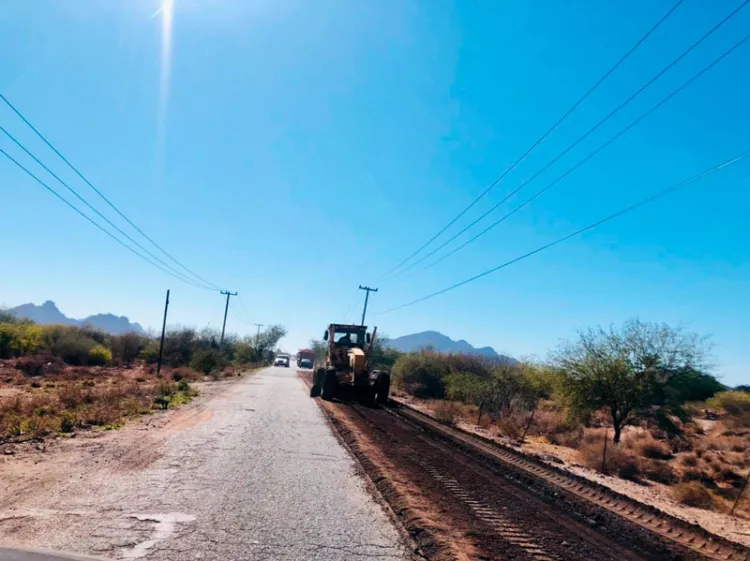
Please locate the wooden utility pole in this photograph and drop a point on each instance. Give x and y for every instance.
(163, 329)
(226, 309)
(367, 290)
(257, 335)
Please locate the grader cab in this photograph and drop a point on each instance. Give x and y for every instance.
(348, 368)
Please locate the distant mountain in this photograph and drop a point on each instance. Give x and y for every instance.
(441, 343)
(48, 313)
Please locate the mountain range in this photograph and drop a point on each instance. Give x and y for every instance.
(441, 343)
(48, 313)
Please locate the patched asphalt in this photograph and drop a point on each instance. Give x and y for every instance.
(261, 477)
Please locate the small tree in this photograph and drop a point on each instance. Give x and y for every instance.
(128, 346)
(267, 340)
(625, 370)
(320, 348)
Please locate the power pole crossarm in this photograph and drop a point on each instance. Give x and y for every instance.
(367, 290)
(226, 309)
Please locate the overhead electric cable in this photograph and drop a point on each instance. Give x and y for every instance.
(541, 138)
(583, 137)
(98, 192)
(96, 224)
(617, 214)
(96, 211)
(595, 152)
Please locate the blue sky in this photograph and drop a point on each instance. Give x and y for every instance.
(308, 147)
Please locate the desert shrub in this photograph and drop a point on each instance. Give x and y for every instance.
(186, 374)
(620, 461)
(733, 402)
(67, 421)
(207, 361)
(510, 427)
(183, 386)
(571, 438)
(690, 460)
(127, 347)
(99, 355)
(150, 353)
(727, 475)
(32, 365)
(446, 414)
(653, 449)
(659, 471)
(421, 374)
(693, 494)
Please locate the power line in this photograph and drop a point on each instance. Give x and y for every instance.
(595, 152)
(245, 313)
(584, 136)
(541, 138)
(350, 307)
(96, 224)
(98, 192)
(100, 215)
(617, 214)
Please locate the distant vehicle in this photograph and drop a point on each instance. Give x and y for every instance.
(305, 354)
(282, 360)
(305, 363)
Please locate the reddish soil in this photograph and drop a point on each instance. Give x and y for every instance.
(456, 505)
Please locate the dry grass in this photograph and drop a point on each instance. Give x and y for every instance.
(651, 448)
(693, 494)
(446, 414)
(619, 460)
(83, 398)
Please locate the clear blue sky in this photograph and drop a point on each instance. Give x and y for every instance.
(308, 147)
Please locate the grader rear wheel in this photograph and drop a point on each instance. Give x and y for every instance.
(382, 388)
(329, 385)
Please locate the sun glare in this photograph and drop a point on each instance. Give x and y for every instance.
(167, 16)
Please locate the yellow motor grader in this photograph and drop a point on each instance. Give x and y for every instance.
(347, 367)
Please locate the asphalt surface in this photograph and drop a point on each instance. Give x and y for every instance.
(262, 477)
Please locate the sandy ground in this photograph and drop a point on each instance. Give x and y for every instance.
(249, 470)
(654, 494)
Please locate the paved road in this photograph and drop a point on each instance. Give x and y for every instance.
(260, 478)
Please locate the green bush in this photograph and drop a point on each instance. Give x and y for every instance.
(733, 402)
(99, 355)
(67, 421)
(207, 361)
(421, 374)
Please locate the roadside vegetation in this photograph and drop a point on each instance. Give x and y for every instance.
(644, 388)
(55, 379)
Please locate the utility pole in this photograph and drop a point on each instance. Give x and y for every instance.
(163, 329)
(258, 325)
(367, 290)
(226, 309)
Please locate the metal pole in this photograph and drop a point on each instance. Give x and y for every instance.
(367, 290)
(226, 309)
(163, 329)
